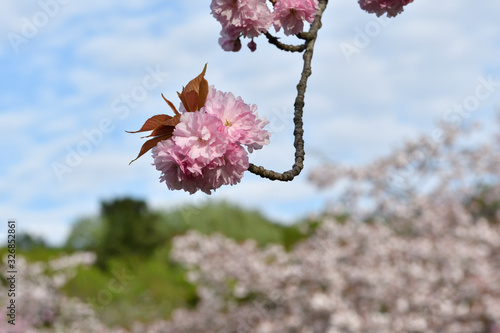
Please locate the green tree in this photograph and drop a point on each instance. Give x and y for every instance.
(86, 234)
(28, 242)
(129, 229)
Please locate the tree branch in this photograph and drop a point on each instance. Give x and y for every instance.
(299, 106)
(284, 47)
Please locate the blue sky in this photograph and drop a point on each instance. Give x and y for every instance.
(76, 75)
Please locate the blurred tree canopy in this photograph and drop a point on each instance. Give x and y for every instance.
(129, 228)
(86, 234)
(126, 227)
(28, 242)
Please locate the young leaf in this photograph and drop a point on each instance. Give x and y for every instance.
(191, 100)
(173, 120)
(161, 130)
(183, 99)
(199, 85)
(203, 93)
(163, 127)
(150, 144)
(153, 123)
(170, 104)
(193, 97)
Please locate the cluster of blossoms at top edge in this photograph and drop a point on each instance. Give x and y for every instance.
(206, 149)
(291, 14)
(250, 18)
(381, 7)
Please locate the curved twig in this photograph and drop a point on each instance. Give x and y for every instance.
(305, 35)
(299, 106)
(285, 47)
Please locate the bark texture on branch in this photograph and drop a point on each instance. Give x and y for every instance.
(308, 46)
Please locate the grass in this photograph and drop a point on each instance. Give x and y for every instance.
(143, 289)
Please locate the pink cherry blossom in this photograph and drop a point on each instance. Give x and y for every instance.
(228, 43)
(178, 173)
(240, 120)
(251, 17)
(380, 7)
(198, 137)
(291, 14)
(172, 164)
(228, 169)
(184, 158)
(247, 18)
(205, 151)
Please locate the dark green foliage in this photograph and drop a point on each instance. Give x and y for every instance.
(36, 253)
(86, 234)
(129, 229)
(226, 219)
(26, 242)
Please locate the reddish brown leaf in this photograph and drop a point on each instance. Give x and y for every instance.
(182, 97)
(150, 144)
(170, 104)
(173, 121)
(203, 93)
(153, 123)
(192, 100)
(193, 97)
(195, 83)
(161, 130)
(200, 86)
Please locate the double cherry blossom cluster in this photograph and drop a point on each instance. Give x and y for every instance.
(381, 7)
(206, 149)
(250, 18)
(202, 146)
